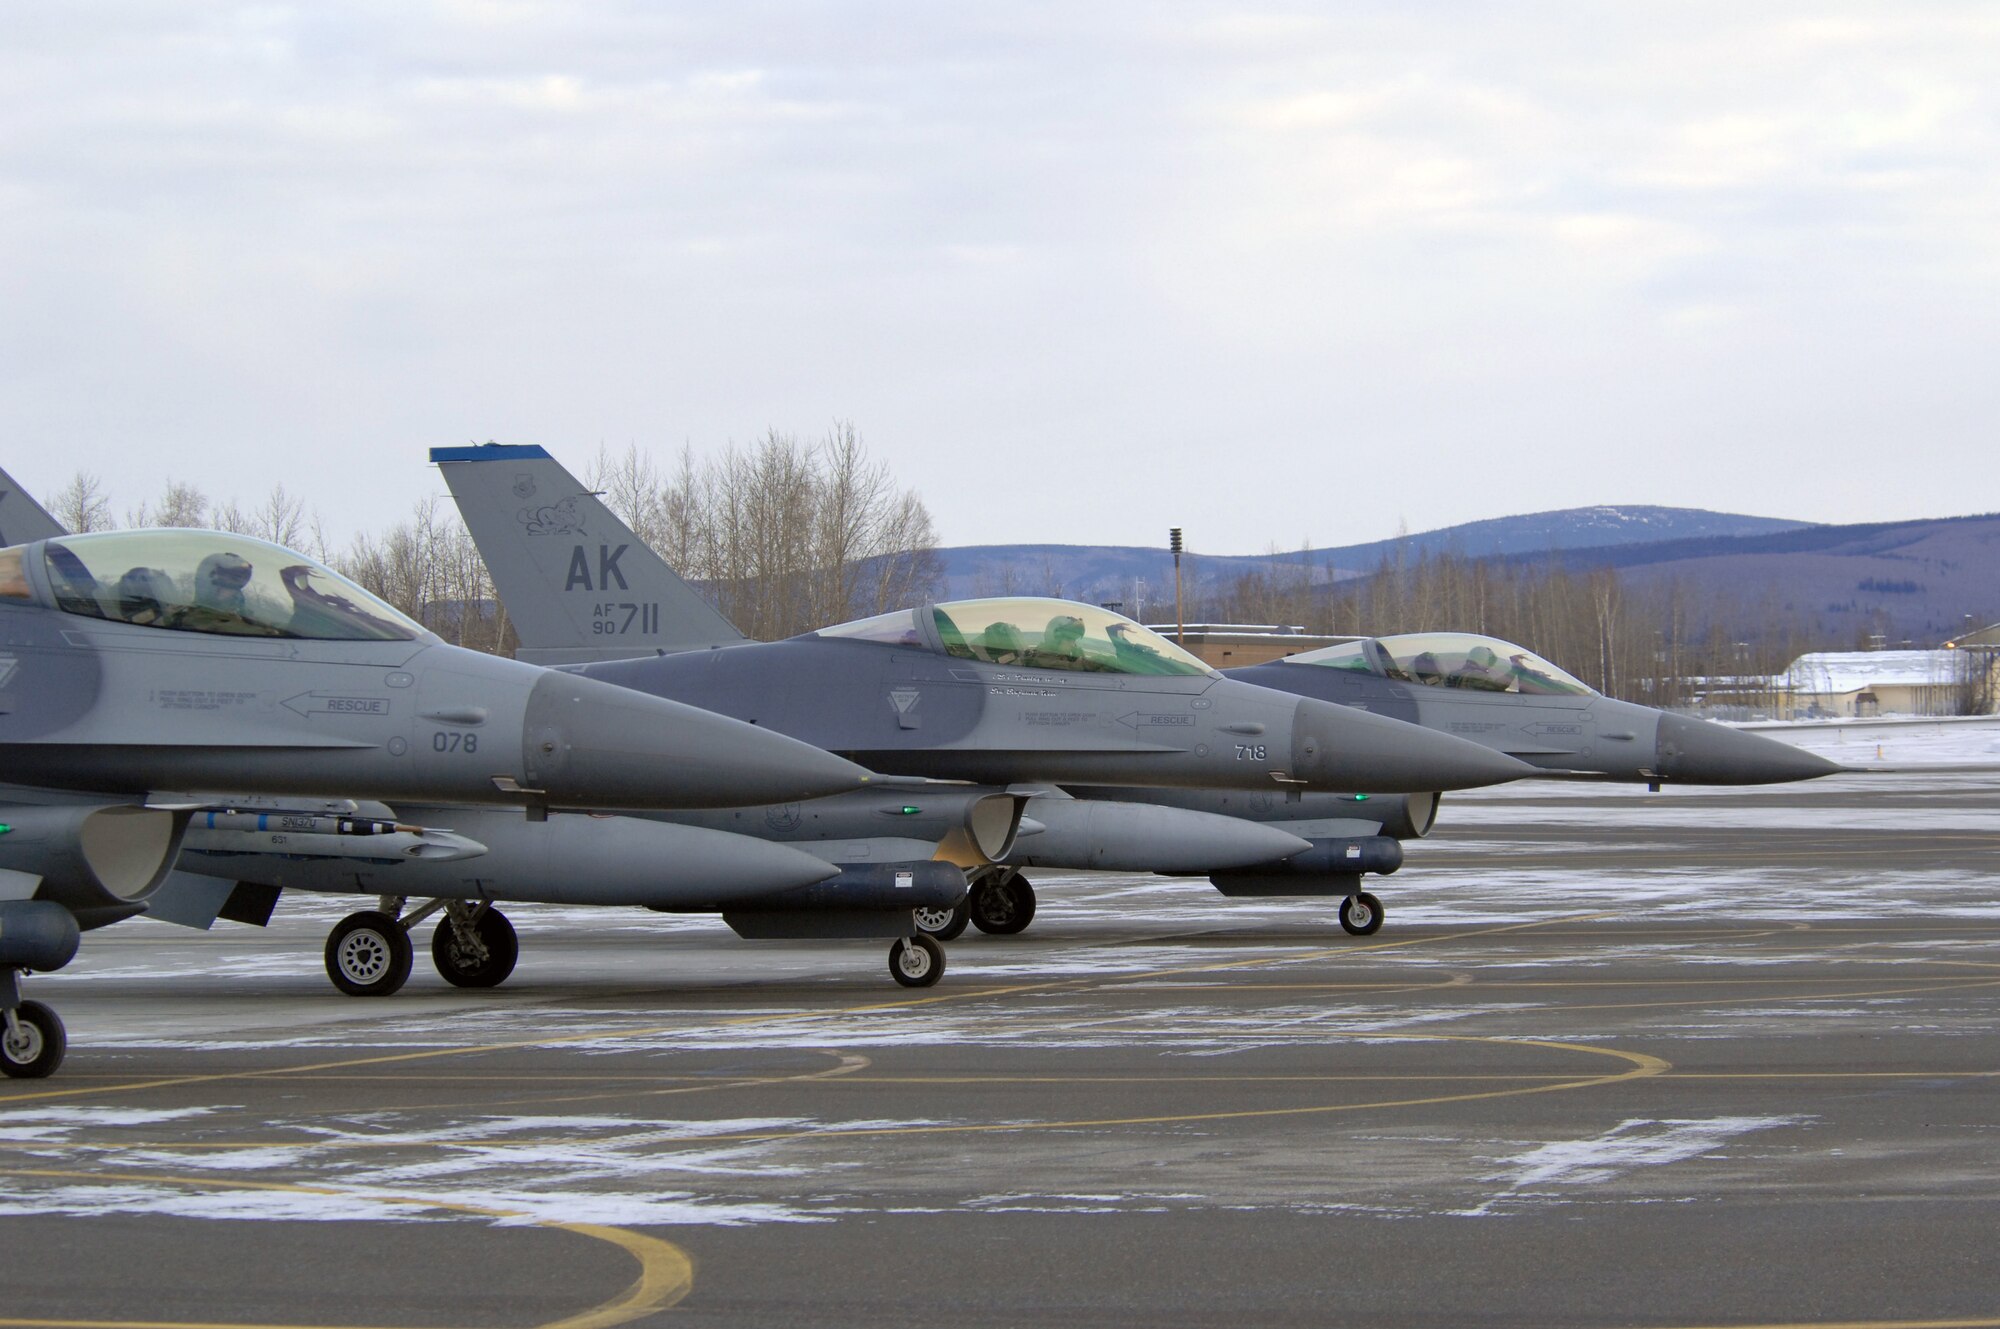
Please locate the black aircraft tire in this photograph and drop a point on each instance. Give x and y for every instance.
(368, 954)
(1004, 907)
(464, 970)
(1361, 915)
(916, 962)
(944, 924)
(40, 1048)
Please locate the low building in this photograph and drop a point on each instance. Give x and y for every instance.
(1232, 645)
(1854, 684)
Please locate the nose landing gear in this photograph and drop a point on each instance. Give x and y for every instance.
(916, 961)
(1361, 915)
(32, 1038)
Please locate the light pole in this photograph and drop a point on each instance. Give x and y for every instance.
(1180, 615)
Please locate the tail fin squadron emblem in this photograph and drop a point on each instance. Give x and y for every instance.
(553, 519)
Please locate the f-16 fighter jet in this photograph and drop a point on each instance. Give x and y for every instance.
(561, 558)
(137, 662)
(992, 691)
(1512, 700)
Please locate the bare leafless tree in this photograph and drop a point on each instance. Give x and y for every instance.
(782, 536)
(82, 504)
(179, 504)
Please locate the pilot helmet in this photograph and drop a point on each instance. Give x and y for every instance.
(1482, 655)
(140, 588)
(224, 574)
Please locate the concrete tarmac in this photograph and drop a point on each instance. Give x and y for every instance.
(1695, 1058)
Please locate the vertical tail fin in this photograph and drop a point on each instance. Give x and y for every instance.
(578, 584)
(21, 518)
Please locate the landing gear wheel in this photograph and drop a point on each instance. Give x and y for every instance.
(483, 961)
(34, 1049)
(1002, 906)
(368, 954)
(916, 962)
(1361, 914)
(944, 924)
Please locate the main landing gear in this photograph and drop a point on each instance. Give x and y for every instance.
(1001, 903)
(368, 954)
(942, 923)
(32, 1039)
(1361, 915)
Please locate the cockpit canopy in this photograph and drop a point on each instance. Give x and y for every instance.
(1449, 660)
(205, 581)
(1030, 633)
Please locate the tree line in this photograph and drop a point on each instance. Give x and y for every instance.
(1658, 643)
(783, 536)
(786, 535)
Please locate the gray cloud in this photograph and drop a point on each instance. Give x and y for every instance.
(1079, 272)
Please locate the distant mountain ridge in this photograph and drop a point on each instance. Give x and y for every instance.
(1136, 576)
(1922, 581)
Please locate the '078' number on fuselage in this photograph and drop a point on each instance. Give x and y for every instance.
(615, 620)
(454, 740)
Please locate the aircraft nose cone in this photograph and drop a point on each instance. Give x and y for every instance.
(592, 744)
(1348, 749)
(1699, 752)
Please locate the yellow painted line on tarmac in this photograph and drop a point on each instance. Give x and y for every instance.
(596, 1035)
(1796, 1000)
(1980, 1322)
(1939, 984)
(666, 1272)
(1643, 1066)
(847, 1063)
(603, 1033)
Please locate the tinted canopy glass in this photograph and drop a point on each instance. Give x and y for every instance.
(209, 581)
(1449, 659)
(1029, 632)
(1057, 634)
(898, 628)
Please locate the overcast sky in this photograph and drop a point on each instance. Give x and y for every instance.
(1078, 272)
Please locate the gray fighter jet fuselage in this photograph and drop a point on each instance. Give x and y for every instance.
(993, 690)
(1003, 690)
(137, 663)
(1510, 699)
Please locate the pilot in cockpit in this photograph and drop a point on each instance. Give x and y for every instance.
(1062, 642)
(219, 582)
(143, 596)
(1480, 671)
(1000, 643)
(219, 603)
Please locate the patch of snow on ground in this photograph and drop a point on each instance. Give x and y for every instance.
(1632, 1144)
